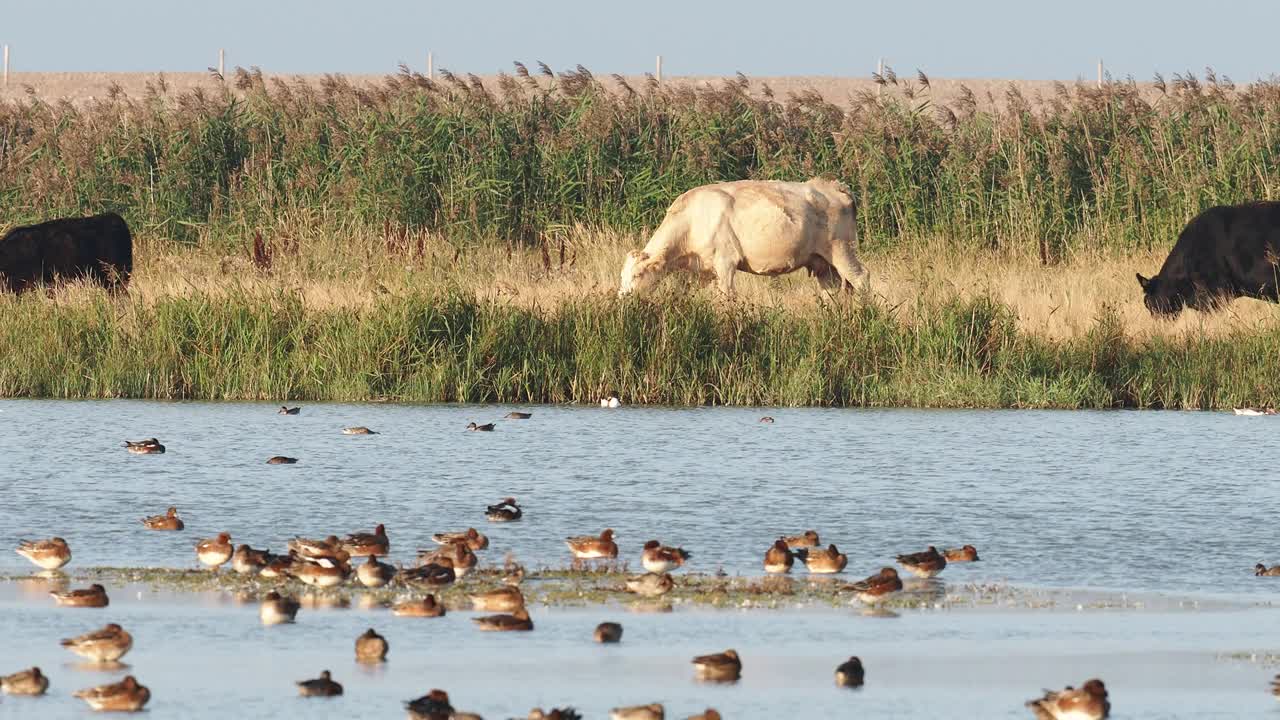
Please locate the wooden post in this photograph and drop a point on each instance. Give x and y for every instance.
(222, 58)
(1099, 73)
(431, 66)
(6, 66)
(659, 69)
(880, 72)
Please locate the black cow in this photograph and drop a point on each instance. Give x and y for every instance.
(1222, 254)
(99, 248)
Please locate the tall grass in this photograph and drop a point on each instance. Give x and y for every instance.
(1085, 169)
(677, 349)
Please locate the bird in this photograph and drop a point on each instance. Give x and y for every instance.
(514, 415)
(278, 566)
(432, 706)
(505, 511)
(823, 561)
(1087, 703)
(658, 558)
(650, 584)
(285, 410)
(778, 558)
(925, 564)
(435, 574)
(214, 552)
(708, 714)
(168, 521)
(1262, 570)
(766, 420)
(424, 607)
(968, 553)
(329, 548)
(247, 561)
(721, 667)
(361, 544)
(124, 696)
(590, 547)
(372, 573)
(105, 645)
(611, 401)
(277, 609)
(1275, 686)
(652, 711)
(473, 538)
(487, 427)
(281, 460)
(49, 554)
(608, 632)
(807, 539)
(1254, 411)
(516, 621)
(26, 682)
(850, 673)
(878, 587)
(322, 572)
(150, 446)
(503, 599)
(371, 647)
(358, 430)
(566, 713)
(323, 686)
(458, 554)
(94, 596)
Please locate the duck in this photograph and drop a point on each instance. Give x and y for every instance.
(566, 713)
(778, 558)
(433, 574)
(323, 686)
(850, 673)
(278, 566)
(277, 609)
(514, 415)
(608, 632)
(1088, 703)
(504, 599)
(925, 564)
(650, 584)
(281, 460)
(371, 647)
(823, 561)
(878, 587)
(286, 410)
(105, 645)
(1275, 686)
(247, 561)
(505, 511)
(590, 547)
(215, 552)
(652, 711)
(425, 607)
(472, 537)
(808, 539)
(458, 554)
(168, 521)
(150, 446)
(26, 682)
(361, 544)
(49, 554)
(611, 401)
(1255, 411)
(767, 420)
(322, 572)
(372, 573)
(487, 427)
(94, 596)
(517, 621)
(708, 714)
(329, 548)
(1262, 570)
(432, 706)
(124, 696)
(968, 553)
(358, 430)
(658, 558)
(721, 667)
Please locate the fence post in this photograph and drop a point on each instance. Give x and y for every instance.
(222, 57)
(431, 66)
(659, 69)
(6, 65)
(1099, 73)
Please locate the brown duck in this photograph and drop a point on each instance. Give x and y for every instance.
(658, 558)
(878, 587)
(590, 547)
(436, 574)
(27, 682)
(505, 511)
(458, 554)
(371, 647)
(925, 564)
(472, 537)
(503, 599)
(823, 561)
(247, 561)
(124, 696)
(372, 573)
(1088, 703)
(323, 686)
(49, 554)
(807, 539)
(516, 621)
(425, 607)
(721, 667)
(94, 596)
(106, 645)
(608, 632)
(168, 521)
(150, 446)
(277, 609)
(215, 552)
(968, 553)
(778, 558)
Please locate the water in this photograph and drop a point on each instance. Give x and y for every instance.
(1175, 507)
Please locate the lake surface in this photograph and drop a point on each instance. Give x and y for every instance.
(1175, 507)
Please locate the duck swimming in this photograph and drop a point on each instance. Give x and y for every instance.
(277, 609)
(517, 621)
(150, 446)
(473, 538)
(850, 673)
(925, 564)
(168, 521)
(371, 647)
(487, 427)
(1088, 703)
(323, 686)
(721, 667)
(968, 553)
(285, 410)
(25, 682)
(94, 596)
(505, 511)
(778, 558)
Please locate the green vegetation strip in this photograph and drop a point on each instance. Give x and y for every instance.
(675, 349)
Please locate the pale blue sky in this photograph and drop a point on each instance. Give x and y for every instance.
(946, 38)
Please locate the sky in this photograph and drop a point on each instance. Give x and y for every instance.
(1021, 39)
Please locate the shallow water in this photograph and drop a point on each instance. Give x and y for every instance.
(1139, 503)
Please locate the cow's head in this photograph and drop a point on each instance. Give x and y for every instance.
(1162, 298)
(639, 272)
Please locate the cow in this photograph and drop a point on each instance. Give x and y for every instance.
(755, 226)
(99, 248)
(1224, 253)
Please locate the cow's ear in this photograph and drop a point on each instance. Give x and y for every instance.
(1143, 281)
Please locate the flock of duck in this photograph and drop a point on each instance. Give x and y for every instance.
(332, 561)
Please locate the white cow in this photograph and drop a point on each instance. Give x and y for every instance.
(756, 226)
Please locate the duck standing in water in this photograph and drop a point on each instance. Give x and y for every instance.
(362, 544)
(879, 587)
(721, 667)
(473, 538)
(26, 682)
(658, 558)
(106, 645)
(49, 554)
(778, 558)
(808, 539)
(590, 547)
(215, 552)
(168, 521)
(371, 647)
(124, 696)
(823, 561)
(1088, 703)
(150, 446)
(425, 607)
(850, 673)
(372, 573)
(925, 564)
(505, 511)
(608, 632)
(247, 561)
(277, 609)
(94, 596)
(323, 686)
(517, 621)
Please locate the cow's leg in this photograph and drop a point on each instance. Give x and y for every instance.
(850, 268)
(725, 268)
